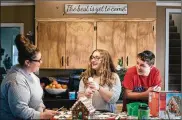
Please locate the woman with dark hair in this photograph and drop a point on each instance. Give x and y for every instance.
(100, 81)
(21, 93)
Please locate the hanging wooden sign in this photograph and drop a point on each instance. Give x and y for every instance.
(96, 8)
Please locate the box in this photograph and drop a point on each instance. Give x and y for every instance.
(165, 105)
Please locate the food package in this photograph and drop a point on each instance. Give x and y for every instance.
(165, 105)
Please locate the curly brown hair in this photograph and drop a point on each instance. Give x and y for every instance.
(106, 70)
(26, 50)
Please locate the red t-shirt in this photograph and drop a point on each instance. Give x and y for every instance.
(138, 83)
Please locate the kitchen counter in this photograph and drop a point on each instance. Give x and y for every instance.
(100, 115)
(95, 115)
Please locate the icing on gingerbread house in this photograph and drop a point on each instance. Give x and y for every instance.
(174, 105)
(82, 109)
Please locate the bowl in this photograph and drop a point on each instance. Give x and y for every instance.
(55, 91)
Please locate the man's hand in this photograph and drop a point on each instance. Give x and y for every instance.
(157, 88)
(150, 89)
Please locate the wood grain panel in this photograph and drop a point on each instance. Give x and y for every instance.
(51, 42)
(146, 37)
(79, 43)
(111, 37)
(152, 37)
(42, 38)
(131, 43)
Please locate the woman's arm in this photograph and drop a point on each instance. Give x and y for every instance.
(41, 107)
(18, 99)
(105, 93)
(84, 91)
(112, 95)
(81, 89)
(129, 94)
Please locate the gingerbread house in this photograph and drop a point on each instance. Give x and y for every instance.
(82, 109)
(174, 105)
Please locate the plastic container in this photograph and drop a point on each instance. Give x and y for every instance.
(132, 108)
(143, 112)
(72, 95)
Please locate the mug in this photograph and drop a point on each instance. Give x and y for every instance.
(143, 112)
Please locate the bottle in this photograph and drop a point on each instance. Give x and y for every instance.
(143, 112)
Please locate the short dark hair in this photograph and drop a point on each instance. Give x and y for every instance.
(147, 56)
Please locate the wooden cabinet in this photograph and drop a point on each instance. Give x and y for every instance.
(131, 44)
(125, 39)
(146, 36)
(111, 37)
(51, 41)
(79, 43)
(65, 45)
(68, 44)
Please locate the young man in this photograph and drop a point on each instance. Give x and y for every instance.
(141, 79)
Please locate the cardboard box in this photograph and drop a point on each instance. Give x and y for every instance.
(165, 105)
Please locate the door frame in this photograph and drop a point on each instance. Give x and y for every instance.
(21, 25)
(168, 11)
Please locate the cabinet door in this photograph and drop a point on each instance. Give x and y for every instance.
(146, 36)
(131, 44)
(51, 42)
(140, 36)
(79, 43)
(126, 39)
(111, 37)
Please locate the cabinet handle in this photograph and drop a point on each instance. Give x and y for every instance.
(122, 60)
(62, 61)
(67, 61)
(127, 60)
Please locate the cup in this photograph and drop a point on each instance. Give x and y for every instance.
(72, 95)
(143, 112)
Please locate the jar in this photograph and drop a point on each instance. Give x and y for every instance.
(143, 112)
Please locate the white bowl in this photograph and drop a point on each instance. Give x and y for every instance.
(55, 91)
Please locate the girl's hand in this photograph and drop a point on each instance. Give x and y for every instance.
(89, 92)
(94, 85)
